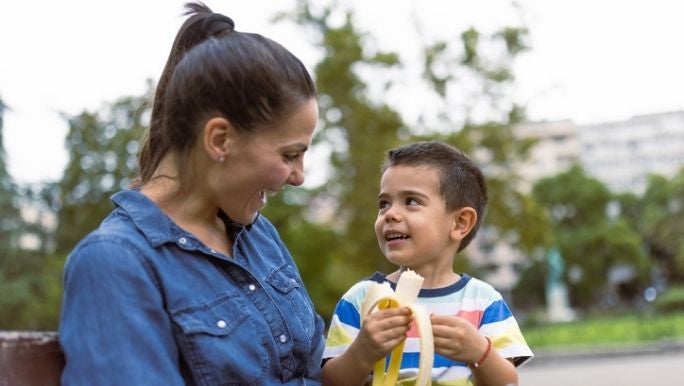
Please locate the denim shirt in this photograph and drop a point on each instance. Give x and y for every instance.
(146, 303)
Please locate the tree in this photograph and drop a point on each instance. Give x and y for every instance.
(10, 222)
(482, 125)
(330, 228)
(103, 149)
(661, 222)
(596, 247)
(20, 269)
(358, 129)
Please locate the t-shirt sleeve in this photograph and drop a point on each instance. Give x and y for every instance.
(345, 322)
(499, 324)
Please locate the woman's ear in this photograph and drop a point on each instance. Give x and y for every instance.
(464, 221)
(218, 138)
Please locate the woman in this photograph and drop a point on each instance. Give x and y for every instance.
(184, 282)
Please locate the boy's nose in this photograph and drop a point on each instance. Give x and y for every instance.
(392, 215)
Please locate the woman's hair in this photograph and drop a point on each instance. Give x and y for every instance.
(214, 70)
(461, 182)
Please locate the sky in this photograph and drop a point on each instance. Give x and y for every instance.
(591, 61)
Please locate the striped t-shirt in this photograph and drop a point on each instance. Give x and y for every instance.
(469, 298)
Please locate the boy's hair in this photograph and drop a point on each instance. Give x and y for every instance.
(461, 182)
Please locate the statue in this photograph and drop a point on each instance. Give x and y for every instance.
(557, 306)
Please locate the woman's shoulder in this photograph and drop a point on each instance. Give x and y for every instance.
(116, 228)
(115, 242)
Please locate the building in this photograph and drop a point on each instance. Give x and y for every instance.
(557, 148)
(622, 154)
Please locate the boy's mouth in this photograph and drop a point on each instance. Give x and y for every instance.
(391, 236)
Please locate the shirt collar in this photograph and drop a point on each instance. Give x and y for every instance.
(157, 227)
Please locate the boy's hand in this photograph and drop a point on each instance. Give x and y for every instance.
(457, 339)
(381, 332)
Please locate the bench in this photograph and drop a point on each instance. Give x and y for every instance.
(30, 358)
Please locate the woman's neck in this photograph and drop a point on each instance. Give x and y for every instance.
(190, 209)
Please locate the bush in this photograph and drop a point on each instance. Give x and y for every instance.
(671, 300)
(606, 330)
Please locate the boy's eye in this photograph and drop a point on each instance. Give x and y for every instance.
(382, 204)
(412, 201)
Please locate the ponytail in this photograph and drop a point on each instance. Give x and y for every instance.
(202, 24)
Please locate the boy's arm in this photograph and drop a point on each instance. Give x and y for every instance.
(458, 340)
(493, 369)
(380, 333)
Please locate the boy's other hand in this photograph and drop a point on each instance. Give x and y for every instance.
(457, 339)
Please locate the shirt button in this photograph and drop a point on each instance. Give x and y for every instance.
(293, 281)
(251, 287)
(221, 324)
(283, 338)
(182, 240)
(212, 251)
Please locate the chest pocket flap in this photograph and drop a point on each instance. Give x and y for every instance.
(284, 279)
(219, 317)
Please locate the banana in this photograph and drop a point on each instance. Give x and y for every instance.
(381, 296)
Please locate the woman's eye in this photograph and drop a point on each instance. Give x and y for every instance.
(291, 156)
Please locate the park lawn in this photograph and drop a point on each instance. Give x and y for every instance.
(607, 330)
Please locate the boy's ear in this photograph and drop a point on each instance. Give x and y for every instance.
(218, 138)
(464, 221)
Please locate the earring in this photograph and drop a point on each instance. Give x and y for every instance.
(221, 158)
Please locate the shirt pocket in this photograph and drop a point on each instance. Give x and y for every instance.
(296, 300)
(221, 344)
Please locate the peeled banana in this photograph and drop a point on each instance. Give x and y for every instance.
(381, 296)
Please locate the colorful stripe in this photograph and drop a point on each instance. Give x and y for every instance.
(471, 299)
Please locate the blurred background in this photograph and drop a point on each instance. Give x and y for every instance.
(574, 111)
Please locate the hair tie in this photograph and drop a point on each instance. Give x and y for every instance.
(217, 23)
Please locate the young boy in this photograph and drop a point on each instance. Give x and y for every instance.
(432, 200)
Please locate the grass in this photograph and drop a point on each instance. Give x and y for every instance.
(607, 330)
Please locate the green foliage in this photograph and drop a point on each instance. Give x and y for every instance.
(573, 198)
(658, 217)
(358, 131)
(11, 224)
(103, 149)
(17, 285)
(672, 300)
(31, 287)
(661, 224)
(515, 39)
(529, 293)
(591, 243)
(329, 229)
(512, 214)
(17, 289)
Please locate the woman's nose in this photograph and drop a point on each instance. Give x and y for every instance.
(296, 177)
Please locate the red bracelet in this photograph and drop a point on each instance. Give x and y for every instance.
(483, 357)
